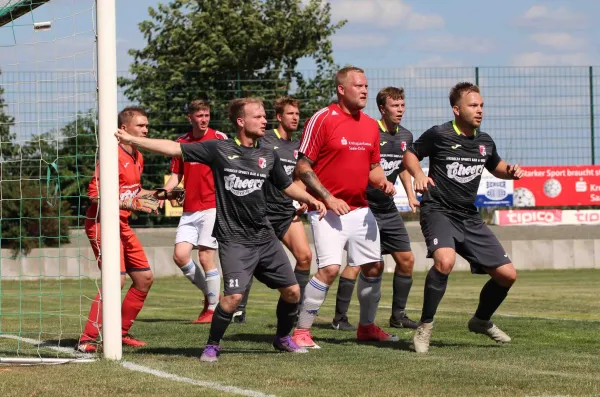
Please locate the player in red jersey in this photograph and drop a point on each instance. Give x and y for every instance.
(133, 259)
(339, 158)
(198, 219)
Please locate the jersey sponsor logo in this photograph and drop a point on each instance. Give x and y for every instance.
(344, 141)
(482, 150)
(390, 166)
(463, 174)
(403, 146)
(242, 186)
(262, 162)
(235, 156)
(289, 169)
(455, 147)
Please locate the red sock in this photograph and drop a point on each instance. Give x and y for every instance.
(94, 321)
(132, 304)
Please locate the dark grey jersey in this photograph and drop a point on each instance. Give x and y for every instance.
(239, 173)
(278, 204)
(456, 163)
(392, 147)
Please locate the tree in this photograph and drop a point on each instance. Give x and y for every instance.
(222, 49)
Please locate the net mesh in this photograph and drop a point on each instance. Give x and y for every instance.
(48, 148)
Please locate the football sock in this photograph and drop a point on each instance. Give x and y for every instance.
(435, 287)
(343, 297)
(491, 297)
(314, 296)
(193, 273)
(287, 316)
(132, 304)
(218, 326)
(401, 289)
(302, 277)
(369, 294)
(213, 284)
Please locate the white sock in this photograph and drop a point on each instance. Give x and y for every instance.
(193, 273)
(314, 296)
(369, 293)
(213, 284)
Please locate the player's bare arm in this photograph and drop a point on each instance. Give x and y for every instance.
(295, 192)
(159, 146)
(413, 166)
(406, 181)
(309, 178)
(506, 171)
(303, 207)
(378, 180)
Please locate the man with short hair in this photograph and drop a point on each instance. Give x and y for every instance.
(394, 140)
(458, 153)
(281, 210)
(339, 158)
(134, 120)
(198, 219)
(247, 243)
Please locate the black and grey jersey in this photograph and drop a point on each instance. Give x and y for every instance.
(278, 204)
(239, 173)
(392, 146)
(456, 163)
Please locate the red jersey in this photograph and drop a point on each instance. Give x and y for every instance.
(343, 147)
(197, 178)
(131, 167)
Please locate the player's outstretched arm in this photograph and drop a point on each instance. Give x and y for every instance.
(410, 193)
(378, 180)
(506, 171)
(413, 166)
(295, 192)
(306, 174)
(159, 146)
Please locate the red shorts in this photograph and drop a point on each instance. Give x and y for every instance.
(133, 258)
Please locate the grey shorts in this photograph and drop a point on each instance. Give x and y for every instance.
(392, 232)
(267, 262)
(471, 238)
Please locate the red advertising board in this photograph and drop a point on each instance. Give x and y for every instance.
(558, 186)
(550, 217)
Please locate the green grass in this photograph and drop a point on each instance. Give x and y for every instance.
(555, 351)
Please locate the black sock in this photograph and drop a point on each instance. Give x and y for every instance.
(343, 297)
(218, 326)
(302, 277)
(401, 288)
(287, 317)
(491, 297)
(244, 301)
(435, 287)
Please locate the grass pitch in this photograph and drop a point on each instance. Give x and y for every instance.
(552, 316)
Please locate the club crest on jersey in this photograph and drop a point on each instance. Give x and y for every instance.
(344, 141)
(296, 154)
(482, 150)
(403, 146)
(262, 163)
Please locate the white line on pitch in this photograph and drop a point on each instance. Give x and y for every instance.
(77, 356)
(208, 385)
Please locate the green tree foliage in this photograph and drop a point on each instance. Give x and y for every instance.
(223, 49)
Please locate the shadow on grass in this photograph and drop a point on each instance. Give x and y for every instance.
(196, 352)
(163, 320)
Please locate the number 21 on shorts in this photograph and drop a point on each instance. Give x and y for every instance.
(234, 283)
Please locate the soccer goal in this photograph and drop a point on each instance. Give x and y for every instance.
(58, 113)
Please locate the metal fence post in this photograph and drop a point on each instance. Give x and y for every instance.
(592, 132)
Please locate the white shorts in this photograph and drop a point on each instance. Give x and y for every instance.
(196, 228)
(357, 232)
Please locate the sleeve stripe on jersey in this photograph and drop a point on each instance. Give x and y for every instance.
(220, 135)
(310, 127)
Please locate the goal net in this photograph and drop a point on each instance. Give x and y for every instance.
(48, 150)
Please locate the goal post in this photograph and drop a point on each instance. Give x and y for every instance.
(58, 115)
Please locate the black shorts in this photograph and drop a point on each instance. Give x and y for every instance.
(471, 238)
(392, 232)
(281, 223)
(267, 262)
